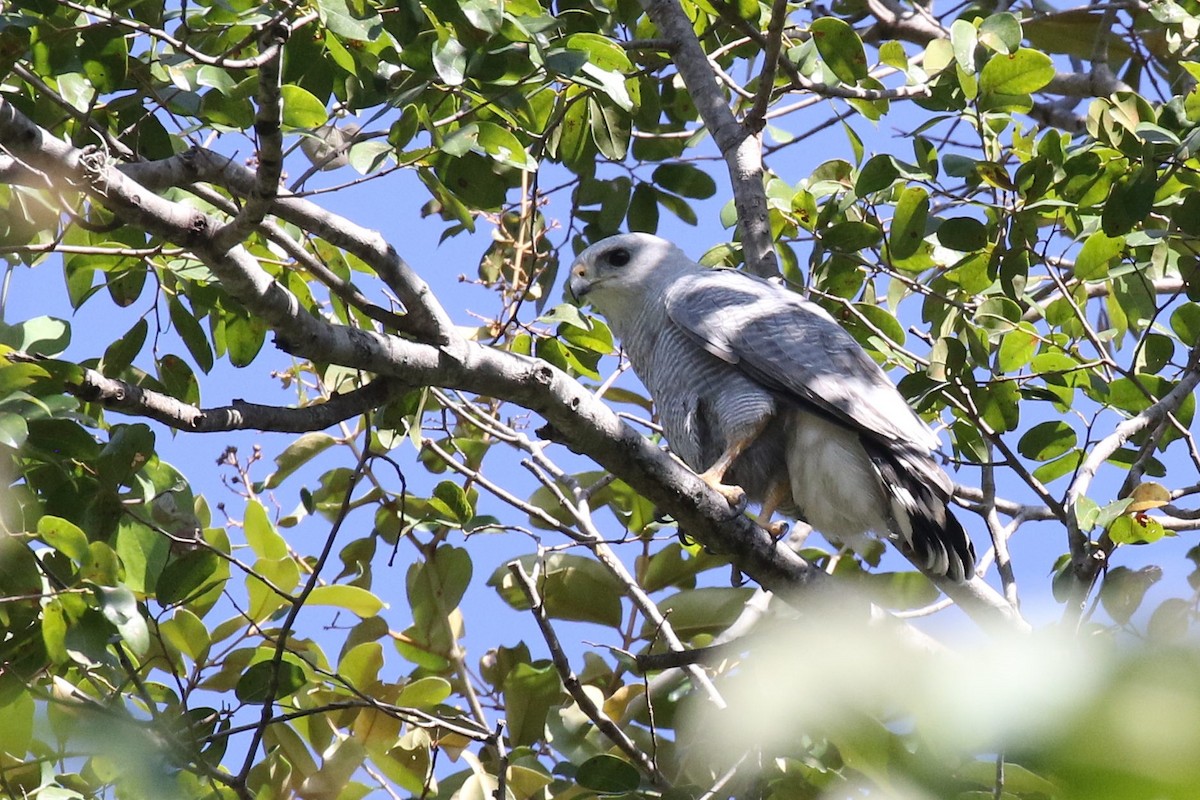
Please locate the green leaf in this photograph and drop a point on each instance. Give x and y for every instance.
(105, 57)
(1053, 470)
(254, 686)
(959, 166)
(13, 430)
(572, 587)
(502, 146)
(1017, 347)
(360, 666)
(856, 144)
(1123, 590)
(484, 15)
(192, 333)
(54, 631)
(685, 179)
(336, 15)
(1001, 32)
(1185, 322)
(892, 53)
(643, 209)
(699, 611)
(1098, 253)
(219, 109)
(999, 404)
(607, 774)
(19, 572)
(65, 537)
(16, 734)
(1170, 621)
(530, 691)
(125, 285)
(908, 224)
(1048, 440)
(187, 633)
(881, 321)
(178, 379)
(611, 128)
(297, 454)
(424, 692)
(451, 501)
(119, 355)
(1136, 529)
(965, 234)
(188, 576)
(119, 607)
(1020, 73)
(261, 535)
(408, 763)
(301, 109)
(841, 49)
(352, 598)
(450, 61)
(674, 566)
(877, 174)
(1129, 202)
(964, 38)
(900, 590)
(143, 553)
(1086, 513)
(602, 52)
(42, 335)
(677, 206)
(849, 237)
(470, 182)
(244, 337)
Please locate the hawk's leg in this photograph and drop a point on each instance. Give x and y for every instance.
(775, 497)
(714, 476)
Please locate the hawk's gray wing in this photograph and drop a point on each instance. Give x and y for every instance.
(794, 348)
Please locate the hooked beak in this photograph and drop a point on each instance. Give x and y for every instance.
(578, 285)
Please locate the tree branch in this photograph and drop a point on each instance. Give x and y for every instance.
(973, 499)
(741, 149)
(223, 62)
(428, 320)
(126, 398)
(268, 121)
(285, 630)
(1086, 563)
(756, 118)
(572, 684)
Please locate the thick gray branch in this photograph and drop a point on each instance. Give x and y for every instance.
(741, 149)
(126, 398)
(428, 320)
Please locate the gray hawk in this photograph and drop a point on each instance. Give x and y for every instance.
(765, 395)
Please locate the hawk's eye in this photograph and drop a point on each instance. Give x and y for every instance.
(619, 257)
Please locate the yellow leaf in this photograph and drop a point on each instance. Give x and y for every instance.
(1149, 495)
(614, 706)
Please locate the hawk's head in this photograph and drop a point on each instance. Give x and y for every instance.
(620, 267)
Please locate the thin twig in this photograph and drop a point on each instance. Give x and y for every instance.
(293, 612)
(572, 684)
